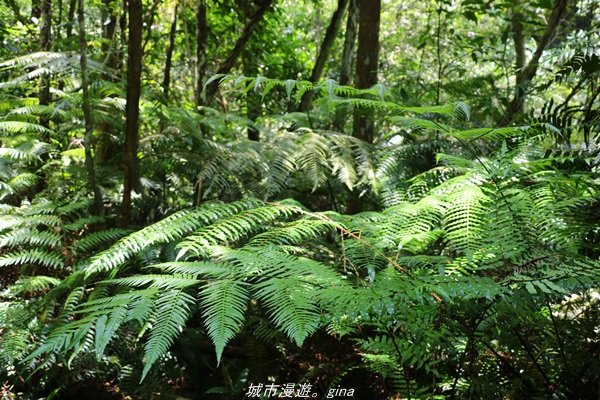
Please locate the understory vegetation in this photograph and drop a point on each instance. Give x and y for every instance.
(374, 200)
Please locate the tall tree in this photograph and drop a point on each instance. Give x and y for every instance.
(330, 35)
(367, 59)
(169, 55)
(87, 112)
(45, 45)
(347, 58)
(71, 19)
(201, 45)
(526, 72)
(109, 45)
(131, 179)
(349, 43)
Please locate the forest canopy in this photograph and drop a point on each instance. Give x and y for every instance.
(367, 199)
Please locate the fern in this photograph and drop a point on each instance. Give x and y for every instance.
(291, 303)
(40, 257)
(180, 223)
(172, 310)
(224, 302)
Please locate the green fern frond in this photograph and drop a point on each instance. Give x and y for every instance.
(34, 256)
(82, 223)
(98, 239)
(291, 303)
(195, 268)
(34, 284)
(74, 206)
(27, 237)
(20, 127)
(224, 303)
(169, 229)
(296, 232)
(167, 281)
(234, 228)
(312, 158)
(172, 311)
(106, 328)
(464, 219)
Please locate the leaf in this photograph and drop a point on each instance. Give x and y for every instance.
(172, 311)
(224, 303)
(292, 306)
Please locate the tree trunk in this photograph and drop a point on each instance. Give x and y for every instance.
(111, 54)
(169, 56)
(59, 23)
(201, 44)
(131, 179)
(87, 113)
(367, 62)
(330, 35)
(253, 100)
(347, 58)
(349, 42)
(250, 68)
(71, 19)
(45, 45)
(527, 72)
(234, 54)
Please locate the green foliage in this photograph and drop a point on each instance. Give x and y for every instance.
(449, 258)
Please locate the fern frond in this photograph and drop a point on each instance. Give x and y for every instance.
(34, 284)
(20, 127)
(167, 281)
(81, 223)
(169, 229)
(312, 158)
(34, 256)
(28, 237)
(464, 219)
(224, 303)
(195, 268)
(172, 311)
(98, 239)
(234, 228)
(106, 328)
(296, 232)
(292, 306)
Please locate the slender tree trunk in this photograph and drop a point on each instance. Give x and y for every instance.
(253, 101)
(367, 60)
(347, 58)
(166, 84)
(169, 56)
(349, 42)
(330, 35)
(109, 14)
(134, 71)
(201, 44)
(234, 54)
(57, 32)
(250, 68)
(87, 113)
(71, 19)
(45, 45)
(528, 71)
